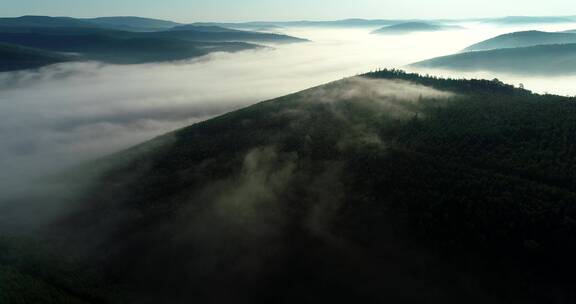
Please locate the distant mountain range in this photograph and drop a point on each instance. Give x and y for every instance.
(554, 59)
(188, 33)
(43, 22)
(133, 23)
(121, 40)
(119, 23)
(253, 26)
(376, 23)
(304, 23)
(411, 27)
(147, 24)
(122, 48)
(523, 39)
(14, 57)
(217, 33)
(130, 23)
(133, 27)
(527, 52)
(129, 50)
(139, 40)
(525, 20)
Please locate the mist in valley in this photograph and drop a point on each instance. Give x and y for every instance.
(62, 115)
(120, 181)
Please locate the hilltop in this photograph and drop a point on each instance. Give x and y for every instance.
(387, 179)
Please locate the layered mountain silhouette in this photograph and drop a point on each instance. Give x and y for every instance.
(118, 23)
(411, 27)
(527, 20)
(217, 33)
(345, 23)
(43, 22)
(374, 23)
(14, 57)
(523, 39)
(555, 59)
(129, 23)
(527, 52)
(122, 40)
(121, 48)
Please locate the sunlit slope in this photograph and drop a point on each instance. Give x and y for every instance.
(370, 187)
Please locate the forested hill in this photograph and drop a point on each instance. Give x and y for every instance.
(14, 57)
(389, 187)
(544, 60)
(123, 40)
(217, 33)
(531, 20)
(412, 27)
(523, 39)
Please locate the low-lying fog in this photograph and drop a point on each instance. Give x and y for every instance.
(67, 113)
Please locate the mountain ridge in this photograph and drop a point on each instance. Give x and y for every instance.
(386, 177)
(15, 57)
(552, 59)
(413, 27)
(523, 39)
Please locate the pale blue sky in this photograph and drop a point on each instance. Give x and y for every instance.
(246, 10)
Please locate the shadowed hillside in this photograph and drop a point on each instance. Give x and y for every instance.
(126, 40)
(121, 48)
(13, 57)
(43, 22)
(217, 33)
(390, 187)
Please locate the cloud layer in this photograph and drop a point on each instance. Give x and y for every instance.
(65, 114)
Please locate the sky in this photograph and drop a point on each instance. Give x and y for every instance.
(273, 10)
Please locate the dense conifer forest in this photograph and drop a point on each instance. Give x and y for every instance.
(388, 186)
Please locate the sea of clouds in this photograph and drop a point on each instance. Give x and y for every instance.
(65, 114)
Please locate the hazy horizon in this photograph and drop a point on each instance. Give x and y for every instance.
(288, 19)
(279, 10)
